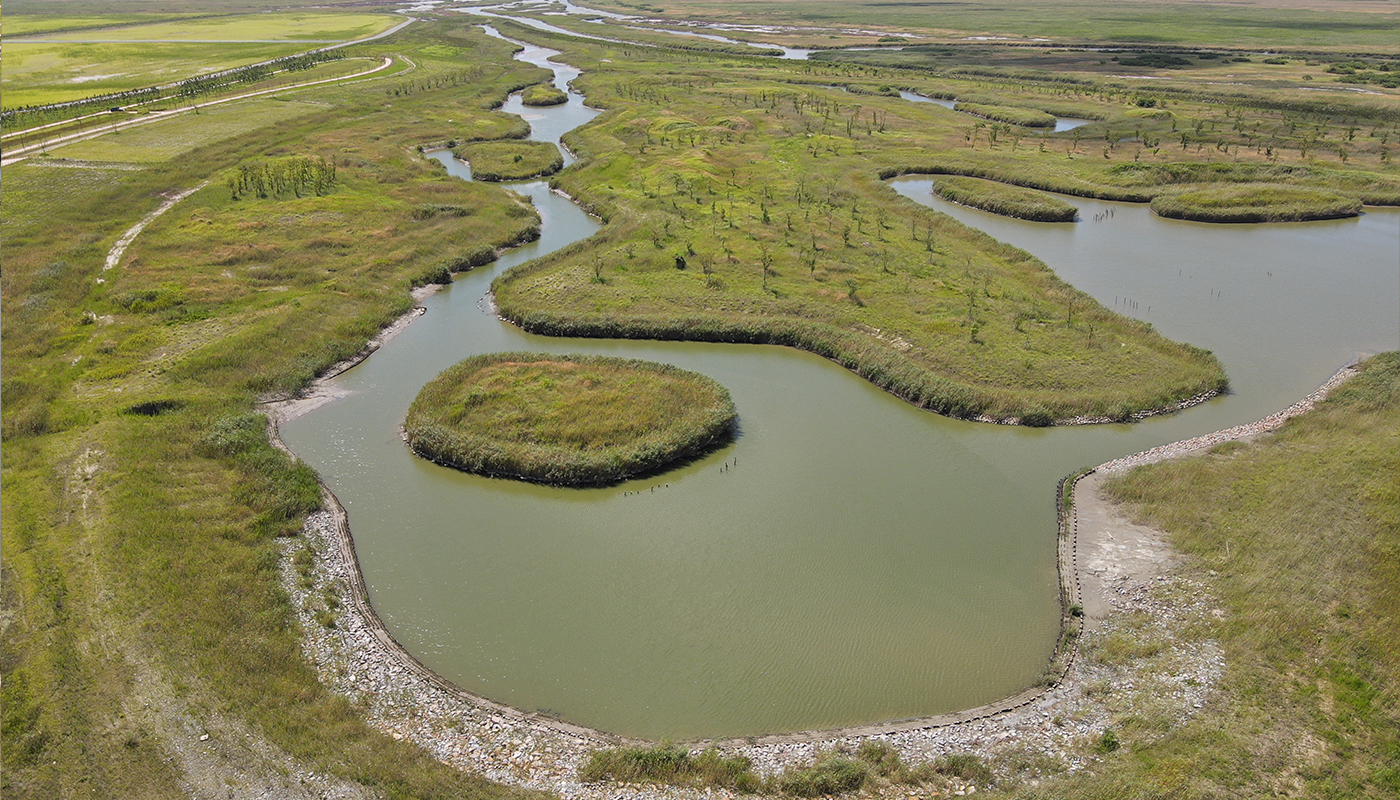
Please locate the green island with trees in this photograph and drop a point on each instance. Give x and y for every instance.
(570, 420)
(148, 508)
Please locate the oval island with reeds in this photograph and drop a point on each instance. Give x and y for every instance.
(1011, 115)
(570, 419)
(1008, 201)
(543, 94)
(1256, 202)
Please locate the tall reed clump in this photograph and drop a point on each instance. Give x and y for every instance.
(873, 765)
(570, 420)
(1008, 201)
(1257, 202)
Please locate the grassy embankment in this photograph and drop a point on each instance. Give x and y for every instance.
(510, 160)
(1000, 198)
(1297, 537)
(572, 420)
(1256, 203)
(143, 502)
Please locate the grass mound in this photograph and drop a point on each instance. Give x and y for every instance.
(1025, 117)
(1009, 201)
(543, 94)
(510, 160)
(1257, 202)
(571, 420)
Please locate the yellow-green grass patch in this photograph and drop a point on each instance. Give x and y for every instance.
(161, 141)
(566, 419)
(511, 160)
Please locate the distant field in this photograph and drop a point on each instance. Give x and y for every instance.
(291, 26)
(1278, 23)
(27, 25)
(35, 74)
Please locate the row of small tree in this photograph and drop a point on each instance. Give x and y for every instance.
(297, 176)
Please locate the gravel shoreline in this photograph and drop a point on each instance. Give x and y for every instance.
(1043, 730)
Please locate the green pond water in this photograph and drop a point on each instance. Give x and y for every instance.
(849, 558)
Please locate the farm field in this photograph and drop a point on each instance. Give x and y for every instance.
(152, 529)
(1262, 24)
(89, 63)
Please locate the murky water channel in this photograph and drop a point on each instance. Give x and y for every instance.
(859, 560)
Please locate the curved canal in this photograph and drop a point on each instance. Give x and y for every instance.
(859, 560)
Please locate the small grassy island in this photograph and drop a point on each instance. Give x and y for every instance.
(1025, 117)
(543, 94)
(1256, 202)
(510, 160)
(1008, 201)
(573, 420)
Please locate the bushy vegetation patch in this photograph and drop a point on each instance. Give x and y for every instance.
(873, 765)
(1256, 203)
(510, 160)
(566, 419)
(543, 94)
(1025, 117)
(1009, 201)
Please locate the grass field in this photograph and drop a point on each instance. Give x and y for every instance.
(566, 419)
(1256, 203)
(36, 74)
(29, 25)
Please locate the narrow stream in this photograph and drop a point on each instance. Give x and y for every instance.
(861, 560)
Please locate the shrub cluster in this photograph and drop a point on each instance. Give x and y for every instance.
(873, 764)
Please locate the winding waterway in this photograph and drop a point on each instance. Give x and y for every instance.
(857, 559)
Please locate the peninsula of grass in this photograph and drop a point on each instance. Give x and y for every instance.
(566, 420)
(543, 94)
(1025, 117)
(1256, 203)
(510, 160)
(1008, 201)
